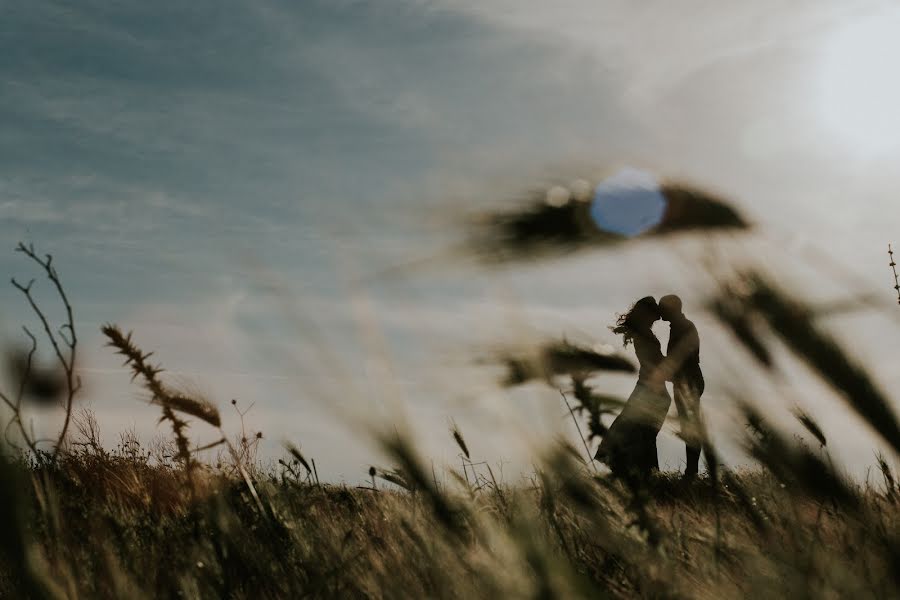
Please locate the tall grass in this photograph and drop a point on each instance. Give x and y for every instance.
(113, 525)
(138, 521)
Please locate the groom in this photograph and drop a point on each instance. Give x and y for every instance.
(682, 368)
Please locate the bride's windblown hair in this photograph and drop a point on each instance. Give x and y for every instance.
(638, 320)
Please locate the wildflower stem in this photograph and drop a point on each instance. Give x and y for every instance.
(578, 427)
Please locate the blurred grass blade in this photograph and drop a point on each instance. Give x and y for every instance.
(793, 463)
(733, 313)
(196, 407)
(458, 437)
(794, 324)
(596, 405)
(811, 426)
(298, 456)
(547, 224)
(449, 513)
(558, 358)
(690, 208)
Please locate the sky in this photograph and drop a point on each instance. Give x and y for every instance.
(269, 194)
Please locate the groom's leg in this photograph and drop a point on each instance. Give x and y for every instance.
(697, 386)
(693, 461)
(654, 455)
(687, 400)
(651, 455)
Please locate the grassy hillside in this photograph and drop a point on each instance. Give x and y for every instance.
(100, 524)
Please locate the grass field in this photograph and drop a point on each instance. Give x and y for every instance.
(120, 524)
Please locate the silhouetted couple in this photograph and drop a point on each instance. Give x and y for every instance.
(629, 446)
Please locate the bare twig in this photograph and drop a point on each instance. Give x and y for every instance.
(64, 350)
(248, 445)
(893, 266)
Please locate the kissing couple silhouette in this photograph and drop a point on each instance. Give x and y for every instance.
(629, 446)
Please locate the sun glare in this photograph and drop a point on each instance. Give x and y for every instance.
(860, 85)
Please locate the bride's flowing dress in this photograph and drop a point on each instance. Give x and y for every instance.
(630, 443)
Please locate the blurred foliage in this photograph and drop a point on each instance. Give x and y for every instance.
(549, 359)
(539, 227)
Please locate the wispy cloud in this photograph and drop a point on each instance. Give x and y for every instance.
(167, 153)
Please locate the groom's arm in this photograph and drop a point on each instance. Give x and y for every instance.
(678, 349)
(666, 369)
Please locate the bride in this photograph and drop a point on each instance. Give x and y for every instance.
(629, 447)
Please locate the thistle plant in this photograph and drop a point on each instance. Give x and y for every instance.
(169, 401)
(247, 443)
(174, 405)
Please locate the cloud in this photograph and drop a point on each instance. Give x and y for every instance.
(168, 155)
(31, 211)
(659, 44)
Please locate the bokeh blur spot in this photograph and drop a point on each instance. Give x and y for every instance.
(628, 203)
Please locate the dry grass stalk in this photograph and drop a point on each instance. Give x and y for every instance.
(893, 266)
(810, 424)
(459, 439)
(298, 456)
